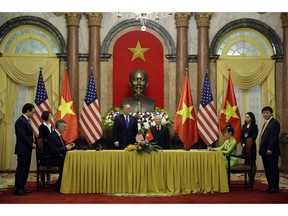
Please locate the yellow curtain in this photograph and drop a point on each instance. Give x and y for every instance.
(247, 74)
(15, 71)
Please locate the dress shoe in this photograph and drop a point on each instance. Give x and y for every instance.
(27, 191)
(266, 190)
(272, 190)
(20, 193)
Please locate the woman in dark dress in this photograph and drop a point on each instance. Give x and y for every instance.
(250, 130)
(44, 130)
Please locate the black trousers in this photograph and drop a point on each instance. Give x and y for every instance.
(271, 171)
(22, 171)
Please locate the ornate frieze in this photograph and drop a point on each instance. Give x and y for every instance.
(182, 19)
(203, 19)
(94, 19)
(73, 19)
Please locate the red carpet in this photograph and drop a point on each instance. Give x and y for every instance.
(236, 195)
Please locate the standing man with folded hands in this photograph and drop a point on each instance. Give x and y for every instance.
(24, 145)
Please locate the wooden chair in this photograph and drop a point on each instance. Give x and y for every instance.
(41, 159)
(245, 168)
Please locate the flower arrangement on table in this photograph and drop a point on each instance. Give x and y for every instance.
(143, 146)
(146, 119)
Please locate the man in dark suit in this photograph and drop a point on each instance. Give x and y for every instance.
(125, 128)
(57, 146)
(23, 149)
(160, 133)
(270, 149)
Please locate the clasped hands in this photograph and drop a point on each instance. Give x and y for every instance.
(70, 146)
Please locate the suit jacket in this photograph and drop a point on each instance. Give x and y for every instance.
(121, 133)
(24, 136)
(55, 147)
(162, 137)
(44, 133)
(270, 139)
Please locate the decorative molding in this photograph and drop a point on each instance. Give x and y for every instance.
(130, 23)
(284, 18)
(192, 58)
(182, 19)
(277, 58)
(261, 27)
(73, 19)
(84, 57)
(94, 19)
(105, 57)
(203, 19)
(31, 20)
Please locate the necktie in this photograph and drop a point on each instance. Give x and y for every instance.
(158, 128)
(127, 122)
(62, 140)
(29, 120)
(263, 129)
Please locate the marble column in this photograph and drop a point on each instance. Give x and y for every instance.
(73, 21)
(182, 21)
(94, 24)
(203, 22)
(284, 126)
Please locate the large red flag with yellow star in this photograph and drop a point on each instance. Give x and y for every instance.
(66, 111)
(185, 123)
(230, 112)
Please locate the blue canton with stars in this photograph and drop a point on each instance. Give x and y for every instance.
(206, 96)
(41, 94)
(91, 94)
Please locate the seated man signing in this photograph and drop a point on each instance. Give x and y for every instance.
(56, 145)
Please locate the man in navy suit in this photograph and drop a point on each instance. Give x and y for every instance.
(125, 128)
(57, 146)
(160, 133)
(270, 149)
(23, 149)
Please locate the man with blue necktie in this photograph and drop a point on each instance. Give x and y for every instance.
(125, 128)
(23, 149)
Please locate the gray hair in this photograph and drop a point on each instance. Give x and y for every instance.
(58, 122)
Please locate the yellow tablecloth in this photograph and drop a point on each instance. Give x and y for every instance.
(167, 171)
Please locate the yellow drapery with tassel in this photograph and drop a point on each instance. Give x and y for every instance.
(15, 71)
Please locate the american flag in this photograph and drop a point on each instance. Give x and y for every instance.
(90, 118)
(42, 104)
(207, 122)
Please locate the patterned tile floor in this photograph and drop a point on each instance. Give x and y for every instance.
(7, 179)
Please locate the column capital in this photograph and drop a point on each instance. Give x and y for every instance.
(203, 19)
(94, 18)
(73, 18)
(284, 17)
(182, 19)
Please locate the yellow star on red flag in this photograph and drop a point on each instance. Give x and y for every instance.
(185, 112)
(65, 107)
(138, 52)
(230, 111)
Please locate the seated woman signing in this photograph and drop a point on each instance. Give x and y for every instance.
(229, 146)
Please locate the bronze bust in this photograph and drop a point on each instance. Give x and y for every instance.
(138, 81)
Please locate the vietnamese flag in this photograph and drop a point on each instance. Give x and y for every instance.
(149, 135)
(185, 123)
(230, 112)
(66, 111)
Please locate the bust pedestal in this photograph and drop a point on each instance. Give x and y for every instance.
(143, 105)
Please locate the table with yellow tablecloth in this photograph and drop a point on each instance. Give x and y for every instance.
(166, 171)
